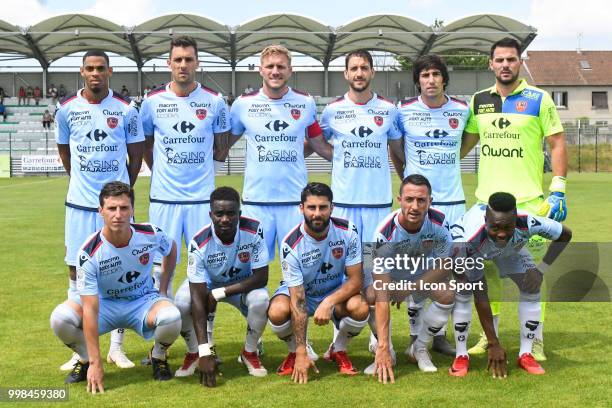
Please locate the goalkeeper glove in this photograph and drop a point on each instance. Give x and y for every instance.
(555, 205)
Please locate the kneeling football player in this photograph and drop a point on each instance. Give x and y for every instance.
(322, 276)
(227, 262)
(497, 232)
(116, 290)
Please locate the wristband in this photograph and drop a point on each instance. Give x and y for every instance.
(218, 293)
(204, 350)
(558, 184)
(543, 266)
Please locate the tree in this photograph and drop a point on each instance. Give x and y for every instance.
(458, 60)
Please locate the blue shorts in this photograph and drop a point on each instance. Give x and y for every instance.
(276, 221)
(78, 226)
(365, 219)
(127, 314)
(178, 221)
(311, 303)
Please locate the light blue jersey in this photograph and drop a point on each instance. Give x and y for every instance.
(121, 273)
(98, 135)
(433, 240)
(275, 130)
(432, 142)
(320, 265)
(183, 129)
(359, 133)
(217, 264)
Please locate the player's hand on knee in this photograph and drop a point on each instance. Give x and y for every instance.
(322, 315)
(384, 365)
(532, 281)
(498, 363)
(95, 378)
(208, 371)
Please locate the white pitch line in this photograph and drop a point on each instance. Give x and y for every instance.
(33, 182)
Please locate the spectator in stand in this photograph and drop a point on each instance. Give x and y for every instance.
(230, 99)
(146, 91)
(47, 118)
(125, 92)
(37, 95)
(29, 94)
(2, 111)
(22, 96)
(61, 93)
(2, 94)
(52, 93)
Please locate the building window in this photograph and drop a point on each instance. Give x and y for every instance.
(600, 100)
(560, 99)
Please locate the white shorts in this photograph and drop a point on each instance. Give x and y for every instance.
(78, 226)
(178, 221)
(518, 263)
(452, 212)
(276, 221)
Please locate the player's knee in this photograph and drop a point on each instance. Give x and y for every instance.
(370, 295)
(358, 308)
(279, 310)
(258, 301)
(445, 297)
(529, 297)
(182, 301)
(62, 316)
(167, 315)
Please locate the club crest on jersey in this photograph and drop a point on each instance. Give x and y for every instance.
(337, 252)
(144, 258)
(453, 122)
(378, 120)
(201, 114)
(112, 122)
(296, 113)
(521, 106)
(427, 245)
(244, 257)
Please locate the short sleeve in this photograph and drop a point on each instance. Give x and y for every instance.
(260, 250)
(549, 117)
(196, 272)
(164, 244)
(133, 128)
(87, 279)
(544, 227)
(325, 123)
(222, 122)
(353, 250)
(147, 118)
(235, 118)
(472, 123)
(395, 131)
(290, 265)
(62, 130)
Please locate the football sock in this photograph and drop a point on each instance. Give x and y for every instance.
(462, 316)
(434, 318)
(285, 333)
(116, 339)
(347, 328)
(257, 317)
(529, 311)
(167, 329)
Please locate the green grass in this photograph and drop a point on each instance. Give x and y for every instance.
(34, 280)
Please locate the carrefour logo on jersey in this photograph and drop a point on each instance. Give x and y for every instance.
(362, 131)
(277, 125)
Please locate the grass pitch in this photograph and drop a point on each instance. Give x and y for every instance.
(34, 280)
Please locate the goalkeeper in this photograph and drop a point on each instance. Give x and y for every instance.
(511, 119)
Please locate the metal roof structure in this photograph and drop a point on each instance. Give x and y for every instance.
(63, 35)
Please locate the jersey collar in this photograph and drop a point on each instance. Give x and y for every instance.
(197, 88)
(521, 86)
(373, 98)
(80, 95)
(218, 240)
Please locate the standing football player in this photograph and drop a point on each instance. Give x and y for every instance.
(99, 138)
(512, 119)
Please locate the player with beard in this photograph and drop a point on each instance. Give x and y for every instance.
(511, 119)
(99, 139)
(315, 258)
(360, 125)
